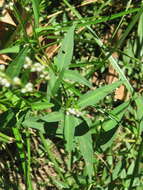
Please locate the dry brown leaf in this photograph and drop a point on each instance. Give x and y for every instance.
(6, 18)
(50, 51)
(4, 59)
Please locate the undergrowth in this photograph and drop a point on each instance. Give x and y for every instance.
(71, 95)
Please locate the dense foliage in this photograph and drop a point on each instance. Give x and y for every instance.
(71, 95)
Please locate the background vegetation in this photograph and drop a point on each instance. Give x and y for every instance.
(71, 104)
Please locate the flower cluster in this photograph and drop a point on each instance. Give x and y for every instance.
(28, 88)
(36, 67)
(3, 79)
(4, 82)
(73, 111)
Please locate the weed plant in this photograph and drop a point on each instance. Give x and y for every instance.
(71, 104)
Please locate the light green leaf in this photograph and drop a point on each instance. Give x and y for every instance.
(139, 103)
(94, 96)
(53, 117)
(35, 6)
(13, 49)
(34, 124)
(41, 105)
(69, 128)
(75, 76)
(15, 66)
(64, 56)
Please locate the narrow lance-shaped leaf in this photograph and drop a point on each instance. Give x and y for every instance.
(69, 128)
(35, 5)
(93, 97)
(66, 51)
(53, 117)
(70, 123)
(15, 66)
(41, 105)
(86, 149)
(116, 116)
(13, 49)
(77, 77)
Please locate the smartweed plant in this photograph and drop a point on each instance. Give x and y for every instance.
(67, 121)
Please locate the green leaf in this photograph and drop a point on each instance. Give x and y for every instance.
(34, 124)
(15, 66)
(35, 6)
(6, 139)
(41, 105)
(75, 76)
(64, 56)
(86, 149)
(116, 116)
(53, 117)
(13, 49)
(94, 96)
(69, 129)
(139, 103)
(109, 126)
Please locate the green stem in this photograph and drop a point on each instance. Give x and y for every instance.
(137, 162)
(29, 182)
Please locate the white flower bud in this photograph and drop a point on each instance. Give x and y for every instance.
(16, 80)
(28, 60)
(23, 90)
(7, 84)
(2, 67)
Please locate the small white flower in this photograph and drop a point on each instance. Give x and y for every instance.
(42, 76)
(2, 67)
(16, 80)
(27, 8)
(47, 77)
(3, 81)
(23, 90)
(33, 69)
(28, 88)
(7, 84)
(28, 60)
(73, 111)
